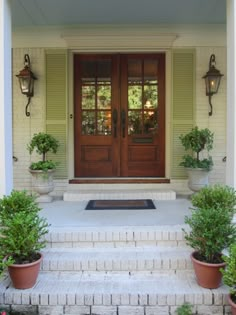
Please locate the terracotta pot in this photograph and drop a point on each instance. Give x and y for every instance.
(233, 305)
(24, 276)
(208, 275)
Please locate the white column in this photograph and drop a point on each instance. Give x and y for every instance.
(6, 170)
(231, 94)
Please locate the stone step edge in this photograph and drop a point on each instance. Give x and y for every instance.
(75, 291)
(82, 195)
(116, 260)
(117, 234)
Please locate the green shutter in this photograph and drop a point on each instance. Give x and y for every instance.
(56, 106)
(183, 105)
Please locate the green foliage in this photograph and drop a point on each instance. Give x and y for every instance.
(189, 161)
(216, 196)
(185, 309)
(43, 143)
(43, 165)
(229, 273)
(197, 140)
(211, 227)
(21, 229)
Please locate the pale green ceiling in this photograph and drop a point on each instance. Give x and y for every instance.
(72, 12)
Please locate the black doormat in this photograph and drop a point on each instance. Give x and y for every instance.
(138, 204)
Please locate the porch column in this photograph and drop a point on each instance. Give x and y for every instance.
(231, 94)
(6, 170)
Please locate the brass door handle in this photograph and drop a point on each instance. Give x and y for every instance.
(123, 122)
(115, 119)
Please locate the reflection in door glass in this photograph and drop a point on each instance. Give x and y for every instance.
(104, 123)
(88, 123)
(96, 97)
(104, 97)
(142, 96)
(135, 97)
(88, 97)
(135, 122)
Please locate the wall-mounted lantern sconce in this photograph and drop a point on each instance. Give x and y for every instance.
(212, 80)
(26, 81)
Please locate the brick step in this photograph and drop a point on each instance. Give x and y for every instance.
(118, 193)
(111, 294)
(117, 259)
(116, 236)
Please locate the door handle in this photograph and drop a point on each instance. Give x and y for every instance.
(123, 122)
(115, 119)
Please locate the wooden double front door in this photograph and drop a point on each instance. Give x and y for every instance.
(119, 103)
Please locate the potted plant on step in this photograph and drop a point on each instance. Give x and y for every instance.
(21, 230)
(42, 171)
(197, 166)
(229, 276)
(211, 230)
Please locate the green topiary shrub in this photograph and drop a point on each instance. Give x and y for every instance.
(43, 143)
(196, 141)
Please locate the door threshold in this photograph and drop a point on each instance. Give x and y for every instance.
(123, 180)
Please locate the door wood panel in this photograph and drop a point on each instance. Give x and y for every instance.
(119, 104)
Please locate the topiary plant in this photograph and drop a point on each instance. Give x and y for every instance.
(196, 141)
(43, 143)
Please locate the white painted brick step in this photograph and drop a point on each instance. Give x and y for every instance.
(147, 293)
(91, 194)
(117, 259)
(116, 236)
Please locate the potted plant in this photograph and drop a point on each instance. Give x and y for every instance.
(21, 230)
(211, 230)
(197, 166)
(229, 276)
(42, 171)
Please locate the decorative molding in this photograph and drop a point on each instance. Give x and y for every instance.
(119, 41)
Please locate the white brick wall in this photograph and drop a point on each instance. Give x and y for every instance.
(217, 122)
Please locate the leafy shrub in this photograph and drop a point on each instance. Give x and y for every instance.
(211, 227)
(229, 273)
(21, 229)
(216, 196)
(185, 309)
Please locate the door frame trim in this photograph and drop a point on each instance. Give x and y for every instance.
(168, 96)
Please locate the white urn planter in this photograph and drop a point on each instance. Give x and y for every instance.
(42, 183)
(197, 178)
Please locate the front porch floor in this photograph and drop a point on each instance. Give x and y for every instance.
(71, 213)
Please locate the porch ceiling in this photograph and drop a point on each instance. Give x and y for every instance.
(72, 12)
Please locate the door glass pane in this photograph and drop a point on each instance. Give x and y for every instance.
(104, 97)
(134, 71)
(104, 71)
(88, 123)
(88, 97)
(150, 71)
(134, 122)
(88, 71)
(150, 96)
(150, 122)
(135, 97)
(104, 123)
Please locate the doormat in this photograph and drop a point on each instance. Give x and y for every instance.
(139, 204)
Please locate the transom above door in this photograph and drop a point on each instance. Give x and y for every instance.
(119, 104)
